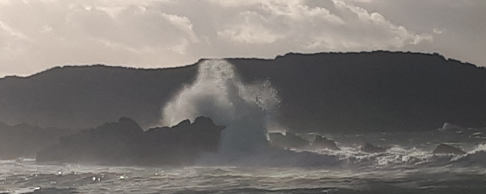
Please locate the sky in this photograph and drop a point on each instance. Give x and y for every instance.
(36, 35)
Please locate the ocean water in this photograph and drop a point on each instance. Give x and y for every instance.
(245, 163)
(399, 170)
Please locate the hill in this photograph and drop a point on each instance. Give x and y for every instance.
(340, 92)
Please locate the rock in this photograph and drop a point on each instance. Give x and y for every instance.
(323, 142)
(289, 140)
(447, 149)
(370, 148)
(125, 143)
(25, 140)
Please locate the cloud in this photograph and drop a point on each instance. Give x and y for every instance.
(457, 27)
(35, 35)
(284, 26)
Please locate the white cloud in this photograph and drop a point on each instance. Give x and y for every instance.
(438, 31)
(247, 34)
(9, 31)
(457, 27)
(35, 35)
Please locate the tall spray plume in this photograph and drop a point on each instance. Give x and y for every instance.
(218, 93)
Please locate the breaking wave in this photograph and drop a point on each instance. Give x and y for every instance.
(245, 109)
(219, 94)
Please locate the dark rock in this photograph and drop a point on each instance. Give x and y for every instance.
(289, 140)
(370, 148)
(323, 142)
(26, 140)
(125, 143)
(447, 149)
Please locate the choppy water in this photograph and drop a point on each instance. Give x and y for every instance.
(403, 169)
(27, 177)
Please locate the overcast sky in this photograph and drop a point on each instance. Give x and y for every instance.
(38, 34)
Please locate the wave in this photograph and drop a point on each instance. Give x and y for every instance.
(247, 111)
(399, 156)
(475, 157)
(219, 94)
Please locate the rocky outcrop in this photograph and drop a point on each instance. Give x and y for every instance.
(370, 148)
(447, 149)
(125, 143)
(323, 142)
(289, 140)
(24, 140)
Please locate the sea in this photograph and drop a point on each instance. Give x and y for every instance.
(407, 167)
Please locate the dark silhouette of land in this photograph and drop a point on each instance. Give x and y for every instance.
(331, 92)
(88, 96)
(25, 140)
(377, 91)
(125, 143)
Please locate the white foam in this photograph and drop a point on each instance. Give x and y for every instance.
(218, 93)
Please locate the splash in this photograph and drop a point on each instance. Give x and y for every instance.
(245, 109)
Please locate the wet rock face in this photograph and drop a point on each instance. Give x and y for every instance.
(289, 140)
(323, 142)
(26, 140)
(447, 149)
(125, 143)
(370, 148)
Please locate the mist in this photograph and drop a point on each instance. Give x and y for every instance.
(219, 94)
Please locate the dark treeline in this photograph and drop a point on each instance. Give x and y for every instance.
(332, 92)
